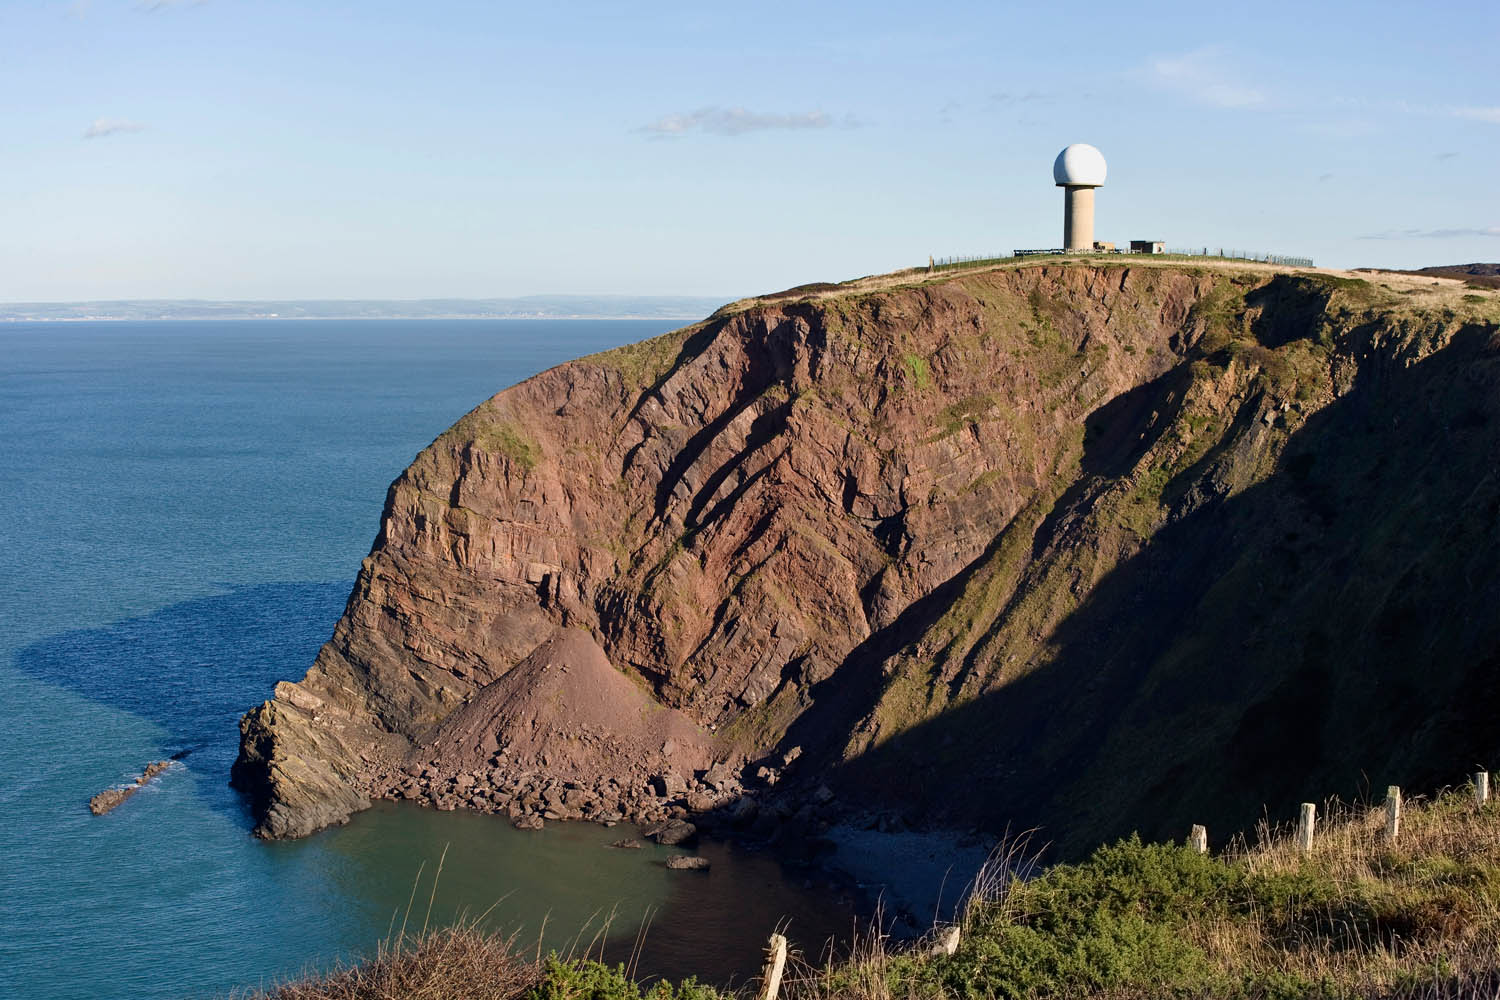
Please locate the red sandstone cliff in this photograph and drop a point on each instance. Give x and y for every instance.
(916, 530)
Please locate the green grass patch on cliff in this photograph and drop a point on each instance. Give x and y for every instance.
(487, 431)
(916, 366)
(647, 362)
(956, 416)
(505, 439)
(1220, 312)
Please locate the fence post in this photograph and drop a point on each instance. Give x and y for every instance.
(1392, 813)
(1198, 839)
(1481, 788)
(775, 962)
(1305, 824)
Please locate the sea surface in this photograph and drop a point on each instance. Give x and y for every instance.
(183, 507)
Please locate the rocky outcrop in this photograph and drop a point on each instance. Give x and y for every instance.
(879, 538)
(301, 761)
(671, 833)
(112, 798)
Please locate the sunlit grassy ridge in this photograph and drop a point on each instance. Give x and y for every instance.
(1358, 916)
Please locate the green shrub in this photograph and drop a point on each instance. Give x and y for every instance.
(1113, 922)
(1105, 951)
(589, 980)
(1163, 881)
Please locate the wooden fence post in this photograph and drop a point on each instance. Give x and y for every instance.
(1305, 824)
(1392, 813)
(1198, 839)
(775, 963)
(1481, 788)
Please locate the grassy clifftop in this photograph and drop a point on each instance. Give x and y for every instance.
(1358, 916)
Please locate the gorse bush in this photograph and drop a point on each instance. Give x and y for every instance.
(590, 980)
(1112, 922)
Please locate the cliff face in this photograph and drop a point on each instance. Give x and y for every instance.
(1097, 547)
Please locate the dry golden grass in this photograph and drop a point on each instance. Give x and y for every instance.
(459, 963)
(1433, 890)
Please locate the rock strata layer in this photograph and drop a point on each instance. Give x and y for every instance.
(1040, 544)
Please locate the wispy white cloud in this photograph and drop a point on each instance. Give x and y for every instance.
(1434, 234)
(1202, 76)
(1491, 115)
(1470, 112)
(1005, 98)
(111, 126)
(738, 121)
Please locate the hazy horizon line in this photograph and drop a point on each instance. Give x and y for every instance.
(535, 306)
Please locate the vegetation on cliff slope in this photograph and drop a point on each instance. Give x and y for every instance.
(1244, 573)
(1358, 917)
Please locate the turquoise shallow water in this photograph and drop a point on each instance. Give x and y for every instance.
(183, 507)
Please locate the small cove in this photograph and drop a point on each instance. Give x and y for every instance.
(186, 504)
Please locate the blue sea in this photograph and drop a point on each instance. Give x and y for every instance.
(183, 507)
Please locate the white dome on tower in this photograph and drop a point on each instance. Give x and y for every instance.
(1079, 165)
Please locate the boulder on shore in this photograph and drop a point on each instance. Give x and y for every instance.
(670, 833)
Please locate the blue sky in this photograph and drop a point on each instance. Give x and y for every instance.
(383, 149)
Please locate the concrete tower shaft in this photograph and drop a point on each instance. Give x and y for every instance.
(1079, 169)
(1078, 218)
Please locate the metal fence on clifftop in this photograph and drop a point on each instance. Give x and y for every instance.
(1263, 258)
(977, 260)
(983, 258)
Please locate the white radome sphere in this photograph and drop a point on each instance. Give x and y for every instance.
(1079, 165)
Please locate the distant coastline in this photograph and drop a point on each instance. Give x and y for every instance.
(671, 307)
